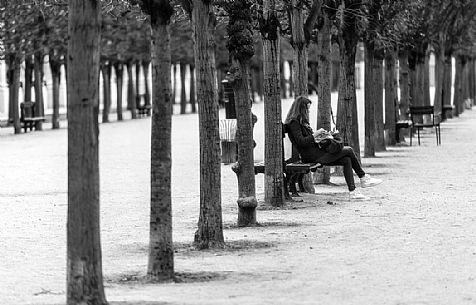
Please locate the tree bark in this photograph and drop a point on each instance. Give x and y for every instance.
(426, 80)
(420, 69)
(404, 85)
(244, 169)
(161, 251)
(84, 262)
(55, 67)
(193, 102)
(39, 104)
(210, 228)
(377, 70)
(174, 82)
(241, 49)
(28, 77)
(439, 79)
(13, 80)
(347, 121)
(137, 79)
(131, 92)
(324, 106)
(300, 52)
(119, 68)
(415, 98)
(371, 99)
(183, 96)
(145, 69)
(458, 88)
(282, 80)
(391, 96)
(447, 82)
(106, 77)
(273, 185)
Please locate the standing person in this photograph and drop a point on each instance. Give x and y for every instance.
(324, 147)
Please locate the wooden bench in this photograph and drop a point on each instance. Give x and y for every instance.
(142, 107)
(28, 117)
(419, 116)
(293, 170)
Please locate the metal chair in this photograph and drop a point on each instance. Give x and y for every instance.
(419, 116)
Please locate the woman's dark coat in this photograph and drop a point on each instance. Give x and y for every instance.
(302, 138)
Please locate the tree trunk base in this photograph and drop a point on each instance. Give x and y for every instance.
(246, 217)
(322, 175)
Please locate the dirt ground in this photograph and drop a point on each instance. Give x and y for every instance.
(413, 243)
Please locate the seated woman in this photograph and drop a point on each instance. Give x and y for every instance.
(302, 136)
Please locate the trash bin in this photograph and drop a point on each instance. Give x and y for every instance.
(229, 147)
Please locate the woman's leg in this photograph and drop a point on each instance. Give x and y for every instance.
(349, 152)
(346, 161)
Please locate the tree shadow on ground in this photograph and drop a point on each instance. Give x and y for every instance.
(232, 226)
(140, 278)
(139, 303)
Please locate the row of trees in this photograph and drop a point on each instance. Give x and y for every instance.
(390, 30)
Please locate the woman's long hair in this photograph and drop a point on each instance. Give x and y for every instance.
(299, 111)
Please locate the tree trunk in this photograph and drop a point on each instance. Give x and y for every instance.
(347, 121)
(466, 81)
(55, 67)
(300, 62)
(210, 228)
(415, 98)
(84, 262)
(426, 80)
(404, 85)
(131, 92)
(39, 104)
(183, 95)
(324, 106)
(145, 69)
(420, 80)
(137, 79)
(193, 102)
(282, 80)
(119, 68)
(300, 52)
(13, 80)
(259, 81)
(240, 30)
(458, 88)
(273, 155)
(371, 99)
(472, 83)
(174, 82)
(106, 76)
(377, 71)
(447, 82)
(244, 169)
(391, 96)
(161, 252)
(439, 78)
(28, 77)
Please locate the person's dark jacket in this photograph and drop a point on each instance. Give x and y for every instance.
(302, 138)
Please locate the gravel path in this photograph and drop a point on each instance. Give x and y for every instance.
(413, 243)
